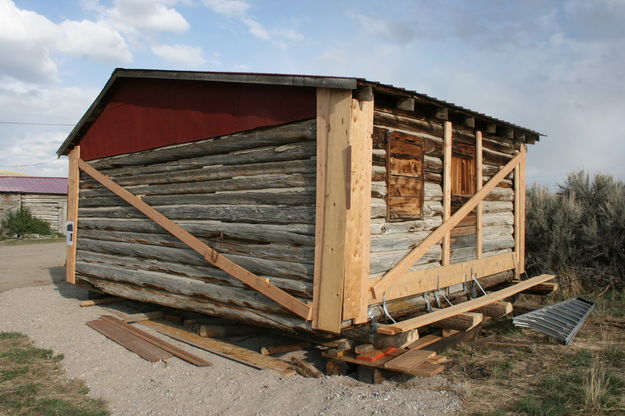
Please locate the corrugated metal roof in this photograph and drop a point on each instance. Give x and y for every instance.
(273, 79)
(33, 185)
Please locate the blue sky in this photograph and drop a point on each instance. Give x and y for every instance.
(554, 66)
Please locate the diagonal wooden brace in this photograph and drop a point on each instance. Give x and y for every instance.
(208, 253)
(411, 258)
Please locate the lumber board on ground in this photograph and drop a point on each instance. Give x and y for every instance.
(130, 341)
(137, 317)
(280, 349)
(223, 349)
(305, 369)
(101, 301)
(160, 343)
(409, 360)
(441, 314)
(423, 342)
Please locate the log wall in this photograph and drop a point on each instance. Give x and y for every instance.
(250, 195)
(48, 207)
(391, 241)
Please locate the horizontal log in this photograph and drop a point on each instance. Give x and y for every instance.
(205, 306)
(207, 173)
(382, 261)
(271, 136)
(232, 213)
(300, 271)
(206, 273)
(391, 242)
(241, 297)
(296, 196)
(496, 206)
(301, 234)
(385, 118)
(270, 251)
(292, 152)
(233, 184)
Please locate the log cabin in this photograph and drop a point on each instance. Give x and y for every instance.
(304, 203)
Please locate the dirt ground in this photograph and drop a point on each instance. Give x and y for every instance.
(35, 300)
(31, 264)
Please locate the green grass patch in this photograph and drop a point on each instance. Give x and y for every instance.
(32, 382)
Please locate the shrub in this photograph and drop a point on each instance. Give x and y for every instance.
(578, 231)
(22, 222)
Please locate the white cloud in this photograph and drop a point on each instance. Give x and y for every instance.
(133, 16)
(228, 7)
(238, 9)
(78, 38)
(182, 56)
(29, 43)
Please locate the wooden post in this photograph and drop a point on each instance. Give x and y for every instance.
(518, 212)
(478, 186)
(342, 237)
(358, 228)
(333, 130)
(72, 213)
(447, 190)
(522, 195)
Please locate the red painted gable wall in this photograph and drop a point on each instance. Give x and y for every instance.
(143, 114)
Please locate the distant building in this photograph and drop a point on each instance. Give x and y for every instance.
(45, 197)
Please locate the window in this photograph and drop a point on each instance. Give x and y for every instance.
(405, 177)
(463, 176)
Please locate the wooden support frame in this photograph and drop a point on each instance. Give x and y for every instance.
(522, 196)
(422, 281)
(478, 185)
(209, 254)
(447, 145)
(430, 318)
(342, 236)
(72, 213)
(404, 264)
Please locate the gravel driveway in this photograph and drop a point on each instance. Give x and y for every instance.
(50, 315)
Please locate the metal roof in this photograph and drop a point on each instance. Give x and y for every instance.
(33, 185)
(314, 81)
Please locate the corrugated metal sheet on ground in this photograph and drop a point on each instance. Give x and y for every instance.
(561, 321)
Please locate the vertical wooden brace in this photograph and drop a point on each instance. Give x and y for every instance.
(478, 179)
(342, 236)
(522, 195)
(333, 130)
(358, 229)
(447, 139)
(519, 214)
(72, 213)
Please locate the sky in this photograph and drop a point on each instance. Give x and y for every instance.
(557, 67)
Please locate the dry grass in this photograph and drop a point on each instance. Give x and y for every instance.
(32, 382)
(542, 377)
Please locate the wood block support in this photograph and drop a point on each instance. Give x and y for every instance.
(496, 309)
(461, 322)
(72, 213)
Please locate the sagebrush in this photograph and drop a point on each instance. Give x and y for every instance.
(21, 222)
(578, 231)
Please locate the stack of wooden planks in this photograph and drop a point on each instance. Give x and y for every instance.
(418, 362)
(140, 342)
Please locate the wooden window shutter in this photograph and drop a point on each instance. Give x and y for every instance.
(404, 177)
